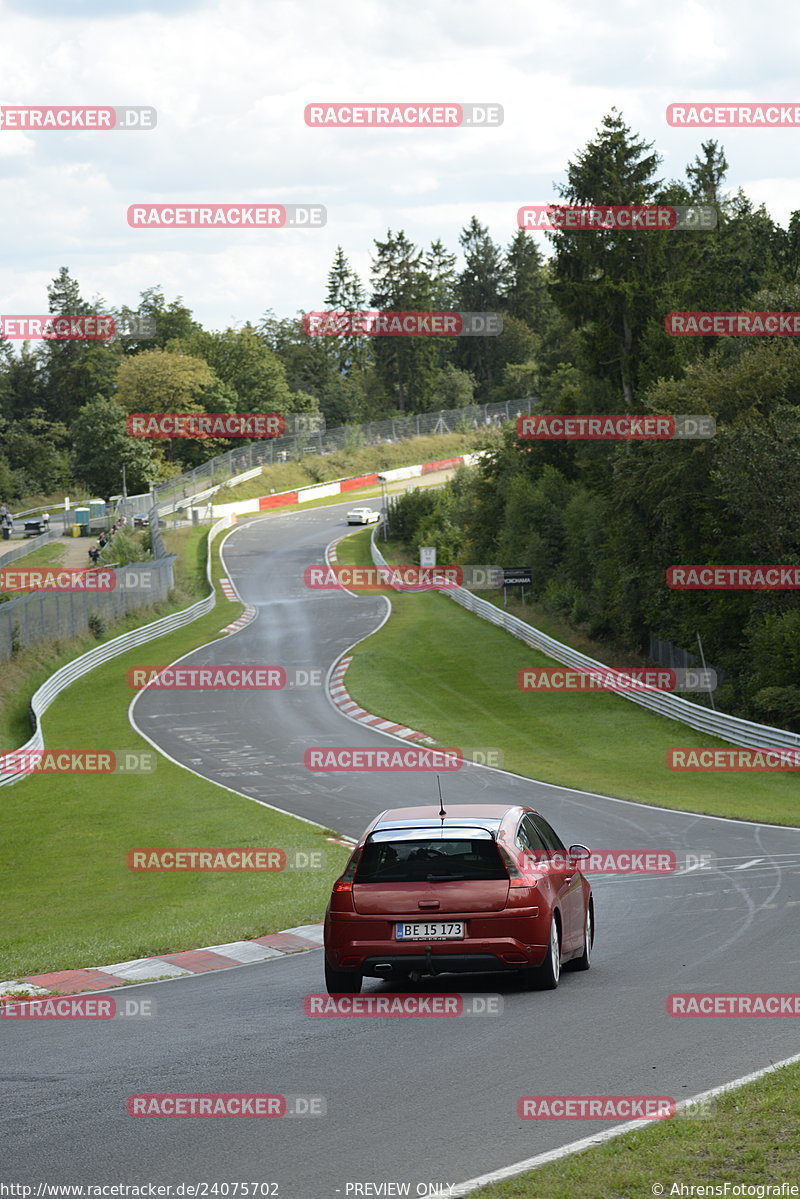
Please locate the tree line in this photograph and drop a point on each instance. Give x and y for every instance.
(583, 332)
(599, 522)
(63, 403)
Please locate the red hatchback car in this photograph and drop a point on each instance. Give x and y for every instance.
(477, 888)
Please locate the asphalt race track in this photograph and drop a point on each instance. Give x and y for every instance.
(408, 1100)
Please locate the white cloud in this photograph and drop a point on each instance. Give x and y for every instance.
(230, 80)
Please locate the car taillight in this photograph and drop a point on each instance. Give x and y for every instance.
(345, 882)
(515, 878)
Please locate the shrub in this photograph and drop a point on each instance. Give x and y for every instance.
(97, 625)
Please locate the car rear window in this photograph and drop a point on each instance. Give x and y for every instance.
(429, 858)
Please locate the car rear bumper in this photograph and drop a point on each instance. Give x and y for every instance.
(400, 965)
(520, 942)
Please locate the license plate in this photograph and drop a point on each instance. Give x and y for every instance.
(427, 931)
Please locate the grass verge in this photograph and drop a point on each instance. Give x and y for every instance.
(750, 1137)
(414, 670)
(69, 899)
(316, 468)
(50, 554)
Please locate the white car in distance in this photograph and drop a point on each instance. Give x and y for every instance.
(363, 516)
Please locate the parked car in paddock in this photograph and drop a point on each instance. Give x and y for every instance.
(363, 516)
(480, 887)
(37, 525)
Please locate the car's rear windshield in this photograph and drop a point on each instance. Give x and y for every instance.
(431, 859)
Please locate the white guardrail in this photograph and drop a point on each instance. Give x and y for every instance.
(705, 720)
(21, 548)
(136, 505)
(58, 682)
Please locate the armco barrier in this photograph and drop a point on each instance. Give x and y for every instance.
(705, 720)
(316, 491)
(319, 492)
(138, 505)
(400, 472)
(58, 682)
(442, 464)
(359, 481)
(26, 547)
(277, 449)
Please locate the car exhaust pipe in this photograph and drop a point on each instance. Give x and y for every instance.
(383, 968)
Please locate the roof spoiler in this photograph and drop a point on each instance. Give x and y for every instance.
(403, 828)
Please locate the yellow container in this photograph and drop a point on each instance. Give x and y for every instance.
(76, 530)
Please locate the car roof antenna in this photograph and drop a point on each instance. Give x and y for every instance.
(442, 812)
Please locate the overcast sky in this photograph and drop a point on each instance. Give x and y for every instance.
(230, 82)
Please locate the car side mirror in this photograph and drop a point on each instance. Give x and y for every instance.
(579, 851)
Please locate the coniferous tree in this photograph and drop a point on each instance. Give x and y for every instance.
(405, 365)
(480, 289)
